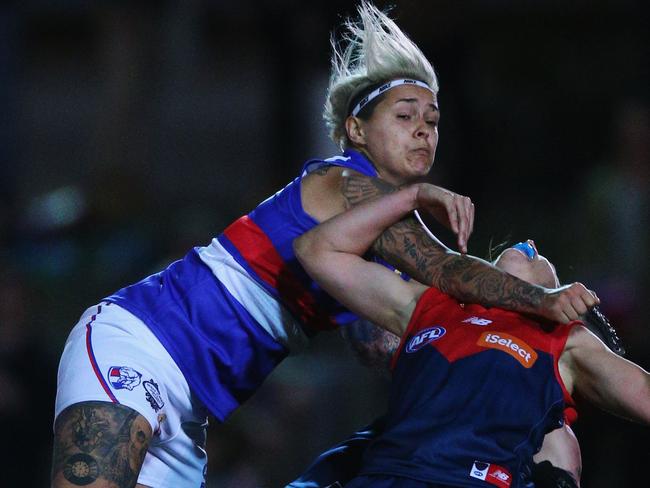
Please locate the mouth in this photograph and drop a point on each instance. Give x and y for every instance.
(422, 152)
(527, 248)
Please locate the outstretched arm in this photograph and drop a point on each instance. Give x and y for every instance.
(609, 381)
(410, 248)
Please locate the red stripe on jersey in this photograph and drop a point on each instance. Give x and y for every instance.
(260, 254)
(466, 325)
(93, 360)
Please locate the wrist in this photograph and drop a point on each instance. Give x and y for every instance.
(538, 299)
(417, 190)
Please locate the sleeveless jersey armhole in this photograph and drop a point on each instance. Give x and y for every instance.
(431, 295)
(559, 338)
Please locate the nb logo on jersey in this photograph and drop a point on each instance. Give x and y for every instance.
(512, 345)
(424, 337)
(492, 473)
(477, 321)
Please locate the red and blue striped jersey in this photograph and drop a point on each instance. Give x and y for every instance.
(229, 312)
(474, 392)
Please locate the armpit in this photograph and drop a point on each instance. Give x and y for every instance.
(373, 346)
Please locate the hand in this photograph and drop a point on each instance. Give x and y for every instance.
(568, 303)
(454, 211)
(545, 475)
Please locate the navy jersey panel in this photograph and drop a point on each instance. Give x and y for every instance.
(341, 463)
(471, 385)
(379, 481)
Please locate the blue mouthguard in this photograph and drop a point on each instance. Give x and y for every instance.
(526, 248)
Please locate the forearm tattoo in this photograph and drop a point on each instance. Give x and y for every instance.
(99, 441)
(406, 246)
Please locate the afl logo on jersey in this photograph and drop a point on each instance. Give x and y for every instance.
(424, 337)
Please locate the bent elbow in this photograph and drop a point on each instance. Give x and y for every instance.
(308, 251)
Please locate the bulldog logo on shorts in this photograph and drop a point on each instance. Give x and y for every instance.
(123, 377)
(153, 395)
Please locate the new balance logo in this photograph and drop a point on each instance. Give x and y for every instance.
(492, 473)
(477, 321)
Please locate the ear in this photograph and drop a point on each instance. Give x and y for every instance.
(354, 130)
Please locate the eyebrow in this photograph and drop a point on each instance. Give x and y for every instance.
(414, 100)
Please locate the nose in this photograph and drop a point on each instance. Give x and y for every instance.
(423, 130)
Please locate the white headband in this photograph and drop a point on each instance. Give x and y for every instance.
(387, 86)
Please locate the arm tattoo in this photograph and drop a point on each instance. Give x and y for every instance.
(406, 246)
(373, 345)
(99, 441)
(358, 188)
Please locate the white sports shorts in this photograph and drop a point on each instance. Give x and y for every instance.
(112, 356)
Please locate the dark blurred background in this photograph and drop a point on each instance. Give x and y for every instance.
(133, 130)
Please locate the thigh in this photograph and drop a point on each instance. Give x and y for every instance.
(106, 359)
(99, 445)
(112, 358)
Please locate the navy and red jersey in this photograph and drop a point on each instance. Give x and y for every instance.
(474, 391)
(229, 312)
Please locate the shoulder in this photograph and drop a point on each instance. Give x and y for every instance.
(322, 191)
(579, 336)
(581, 344)
(326, 175)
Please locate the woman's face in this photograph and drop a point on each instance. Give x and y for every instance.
(529, 266)
(401, 135)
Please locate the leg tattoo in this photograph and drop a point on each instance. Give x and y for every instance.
(99, 441)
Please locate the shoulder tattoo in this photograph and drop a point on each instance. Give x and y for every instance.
(358, 188)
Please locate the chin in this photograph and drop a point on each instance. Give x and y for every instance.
(422, 169)
(422, 162)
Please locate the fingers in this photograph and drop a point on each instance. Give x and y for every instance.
(453, 210)
(461, 224)
(582, 298)
(574, 301)
(471, 217)
(454, 218)
(465, 212)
